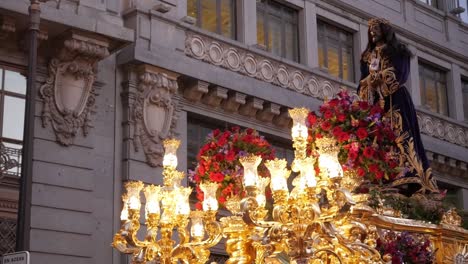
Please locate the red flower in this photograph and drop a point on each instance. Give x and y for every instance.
(201, 170)
(216, 176)
(222, 199)
(373, 168)
(333, 102)
(312, 118)
(343, 137)
(326, 125)
(231, 155)
(368, 152)
(337, 131)
(328, 114)
(361, 133)
(379, 175)
(361, 172)
(363, 105)
(341, 117)
(352, 155)
(216, 132)
(376, 109)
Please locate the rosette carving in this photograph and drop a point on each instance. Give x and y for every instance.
(68, 93)
(152, 111)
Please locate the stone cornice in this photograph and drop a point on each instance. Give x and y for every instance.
(257, 66)
(270, 70)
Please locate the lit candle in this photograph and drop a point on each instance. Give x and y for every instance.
(152, 194)
(250, 164)
(197, 229)
(328, 160)
(133, 192)
(170, 152)
(299, 128)
(124, 213)
(262, 183)
(308, 172)
(279, 174)
(209, 190)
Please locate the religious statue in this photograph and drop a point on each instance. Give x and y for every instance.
(385, 67)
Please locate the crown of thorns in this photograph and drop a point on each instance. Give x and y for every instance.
(378, 21)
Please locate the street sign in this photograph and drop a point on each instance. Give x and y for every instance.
(21, 257)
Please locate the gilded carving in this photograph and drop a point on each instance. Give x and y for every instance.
(68, 93)
(152, 111)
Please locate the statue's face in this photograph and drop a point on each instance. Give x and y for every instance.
(376, 33)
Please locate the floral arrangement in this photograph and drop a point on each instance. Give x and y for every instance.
(428, 207)
(366, 139)
(406, 248)
(218, 161)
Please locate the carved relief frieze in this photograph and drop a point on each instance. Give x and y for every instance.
(257, 66)
(246, 62)
(152, 111)
(68, 93)
(439, 128)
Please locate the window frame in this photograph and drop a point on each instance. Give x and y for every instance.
(16, 152)
(324, 23)
(265, 8)
(464, 88)
(4, 93)
(423, 76)
(198, 8)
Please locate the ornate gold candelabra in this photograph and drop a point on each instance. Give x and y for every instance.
(205, 231)
(312, 223)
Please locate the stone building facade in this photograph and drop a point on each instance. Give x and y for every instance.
(115, 77)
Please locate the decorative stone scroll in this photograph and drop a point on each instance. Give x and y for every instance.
(152, 111)
(439, 128)
(68, 93)
(257, 66)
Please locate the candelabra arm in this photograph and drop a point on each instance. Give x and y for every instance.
(253, 215)
(120, 243)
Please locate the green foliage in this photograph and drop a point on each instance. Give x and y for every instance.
(417, 207)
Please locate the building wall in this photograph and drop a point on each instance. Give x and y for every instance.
(76, 188)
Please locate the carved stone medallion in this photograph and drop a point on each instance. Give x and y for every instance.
(68, 93)
(152, 111)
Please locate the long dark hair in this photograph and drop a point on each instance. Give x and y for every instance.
(394, 46)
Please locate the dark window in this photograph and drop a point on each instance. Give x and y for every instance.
(433, 85)
(335, 51)
(277, 29)
(12, 107)
(431, 3)
(465, 97)
(217, 16)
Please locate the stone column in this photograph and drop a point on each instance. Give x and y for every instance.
(247, 21)
(462, 197)
(308, 35)
(413, 80)
(455, 92)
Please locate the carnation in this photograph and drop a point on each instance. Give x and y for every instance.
(218, 161)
